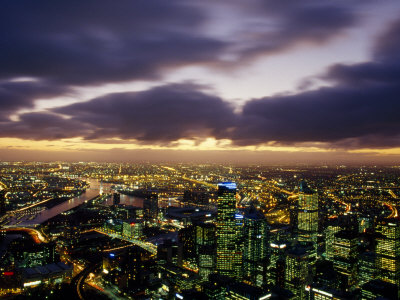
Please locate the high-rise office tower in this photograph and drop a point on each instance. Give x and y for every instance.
(275, 274)
(255, 251)
(278, 241)
(150, 207)
(330, 231)
(388, 250)
(307, 218)
(345, 247)
(187, 247)
(228, 233)
(366, 267)
(205, 249)
(293, 215)
(298, 271)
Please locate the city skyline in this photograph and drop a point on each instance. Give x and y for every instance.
(261, 82)
(198, 231)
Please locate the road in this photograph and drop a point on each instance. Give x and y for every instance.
(394, 213)
(214, 186)
(2, 186)
(79, 280)
(35, 234)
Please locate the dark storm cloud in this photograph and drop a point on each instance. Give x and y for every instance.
(326, 115)
(269, 27)
(360, 110)
(384, 67)
(162, 114)
(90, 42)
(82, 42)
(15, 95)
(388, 45)
(42, 126)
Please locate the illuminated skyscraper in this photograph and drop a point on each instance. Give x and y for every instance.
(205, 249)
(330, 232)
(388, 251)
(187, 247)
(278, 241)
(307, 220)
(345, 248)
(150, 207)
(255, 251)
(228, 233)
(276, 267)
(298, 271)
(293, 215)
(366, 267)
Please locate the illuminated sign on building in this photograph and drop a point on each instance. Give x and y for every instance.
(32, 283)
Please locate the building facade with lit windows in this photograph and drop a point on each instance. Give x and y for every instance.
(366, 267)
(276, 265)
(298, 271)
(205, 249)
(388, 251)
(132, 229)
(228, 233)
(322, 293)
(256, 248)
(307, 217)
(330, 232)
(379, 289)
(345, 247)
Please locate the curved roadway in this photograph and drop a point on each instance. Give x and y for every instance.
(79, 280)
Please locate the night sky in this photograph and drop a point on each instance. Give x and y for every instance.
(225, 81)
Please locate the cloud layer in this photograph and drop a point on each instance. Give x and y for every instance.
(162, 114)
(61, 45)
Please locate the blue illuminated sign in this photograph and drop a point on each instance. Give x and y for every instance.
(112, 255)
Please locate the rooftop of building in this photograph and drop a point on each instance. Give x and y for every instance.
(188, 212)
(381, 288)
(304, 188)
(347, 234)
(46, 270)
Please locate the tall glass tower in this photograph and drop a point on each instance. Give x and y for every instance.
(307, 218)
(297, 272)
(345, 249)
(228, 233)
(256, 247)
(205, 249)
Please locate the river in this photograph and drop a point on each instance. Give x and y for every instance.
(90, 193)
